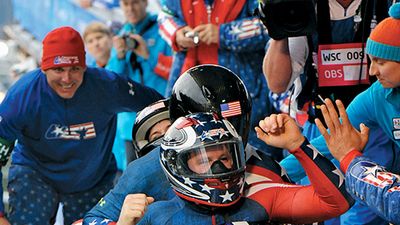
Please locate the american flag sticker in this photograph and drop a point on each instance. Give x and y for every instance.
(230, 109)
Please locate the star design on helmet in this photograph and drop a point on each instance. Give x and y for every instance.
(215, 120)
(226, 197)
(222, 133)
(251, 151)
(206, 135)
(200, 123)
(94, 222)
(341, 178)
(205, 187)
(188, 181)
(315, 151)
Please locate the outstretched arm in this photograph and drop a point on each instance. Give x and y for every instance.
(365, 180)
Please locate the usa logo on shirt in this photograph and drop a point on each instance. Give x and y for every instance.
(66, 60)
(75, 132)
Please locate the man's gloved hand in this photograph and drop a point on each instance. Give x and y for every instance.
(287, 18)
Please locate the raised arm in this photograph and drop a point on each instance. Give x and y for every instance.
(325, 198)
(366, 180)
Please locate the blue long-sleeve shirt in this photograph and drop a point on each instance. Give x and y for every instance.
(68, 141)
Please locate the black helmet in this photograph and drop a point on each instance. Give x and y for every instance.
(145, 120)
(212, 88)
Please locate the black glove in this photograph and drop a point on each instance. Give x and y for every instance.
(287, 18)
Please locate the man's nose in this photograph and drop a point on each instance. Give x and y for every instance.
(373, 71)
(66, 76)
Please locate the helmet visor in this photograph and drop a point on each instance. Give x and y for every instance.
(209, 160)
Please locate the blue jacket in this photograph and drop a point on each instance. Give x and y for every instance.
(68, 141)
(377, 108)
(241, 49)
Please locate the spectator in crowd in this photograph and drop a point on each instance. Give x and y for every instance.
(63, 117)
(224, 33)
(368, 181)
(189, 96)
(342, 26)
(207, 172)
(98, 41)
(141, 54)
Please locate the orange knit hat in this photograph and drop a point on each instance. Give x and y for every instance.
(384, 41)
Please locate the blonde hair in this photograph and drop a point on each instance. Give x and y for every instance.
(96, 27)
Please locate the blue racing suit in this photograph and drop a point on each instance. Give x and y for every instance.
(67, 142)
(240, 49)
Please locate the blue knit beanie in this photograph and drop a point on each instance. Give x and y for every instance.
(384, 41)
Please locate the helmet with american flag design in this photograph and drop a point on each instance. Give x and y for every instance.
(203, 158)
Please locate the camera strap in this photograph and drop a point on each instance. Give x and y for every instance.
(133, 58)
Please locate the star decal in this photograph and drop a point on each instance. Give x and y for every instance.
(371, 170)
(315, 151)
(205, 135)
(206, 188)
(200, 123)
(250, 151)
(341, 178)
(188, 181)
(94, 222)
(226, 197)
(214, 120)
(223, 133)
(58, 130)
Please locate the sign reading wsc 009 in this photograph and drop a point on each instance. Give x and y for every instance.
(342, 65)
